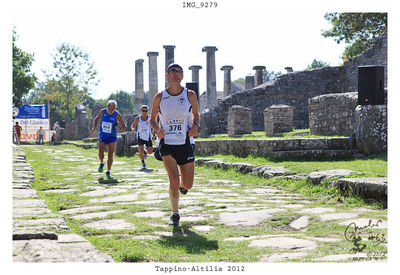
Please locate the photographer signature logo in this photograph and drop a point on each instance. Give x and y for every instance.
(355, 233)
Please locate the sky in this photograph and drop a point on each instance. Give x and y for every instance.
(116, 37)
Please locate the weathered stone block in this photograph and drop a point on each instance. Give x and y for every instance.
(239, 120)
(278, 118)
(332, 114)
(371, 128)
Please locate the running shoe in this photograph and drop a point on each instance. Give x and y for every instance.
(100, 168)
(143, 165)
(108, 175)
(174, 220)
(183, 190)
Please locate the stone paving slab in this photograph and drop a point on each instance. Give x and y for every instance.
(114, 224)
(60, 191)
(29, 203)
(300, 223)
(96, 215)
(103, 192)
(285, 243)
(247, 218)
(83, 209)
(53, 251)
(23, 212)
(337, 216)
(150, 214)
(57, 222)
(283, 257)
(114, 199)
(24, 193)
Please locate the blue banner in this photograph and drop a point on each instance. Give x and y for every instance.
(33, 111)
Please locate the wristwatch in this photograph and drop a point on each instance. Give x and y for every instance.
(196, 123)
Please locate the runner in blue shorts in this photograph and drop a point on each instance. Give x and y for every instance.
(109, 119)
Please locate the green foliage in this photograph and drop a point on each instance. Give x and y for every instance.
(358, 30)
(316, 64)
(70, 81)
(23, 78)
(240, 82)
(270, 75)
(124, 101)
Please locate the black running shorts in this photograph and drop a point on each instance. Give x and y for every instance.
(148, 143)
(181, 153)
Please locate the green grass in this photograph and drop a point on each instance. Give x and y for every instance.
(58, 167)
(295, 133)
(373, 166)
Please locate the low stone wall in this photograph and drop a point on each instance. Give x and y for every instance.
(267, 147)
(332, 114)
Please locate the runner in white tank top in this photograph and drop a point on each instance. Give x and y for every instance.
(144, 135)
(172, 106)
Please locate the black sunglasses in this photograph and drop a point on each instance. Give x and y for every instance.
(145, 111)
(175, 71)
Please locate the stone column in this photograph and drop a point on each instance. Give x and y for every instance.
(153, 76)
(227, 79)
(289, 69)
(259, 74)
(139, 92)
(249, 82)
(195, 73)
(169, 59)
(211, 76)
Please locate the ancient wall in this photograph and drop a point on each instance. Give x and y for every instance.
(377, 55)
(332, 114)
(294, 89)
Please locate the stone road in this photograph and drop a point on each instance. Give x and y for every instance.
(212, 203)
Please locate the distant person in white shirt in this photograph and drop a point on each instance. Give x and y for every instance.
(143, 129)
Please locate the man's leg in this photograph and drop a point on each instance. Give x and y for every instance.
(173, 175)
(187, 175)
(111, 148)
(141, 152)
(102, 147)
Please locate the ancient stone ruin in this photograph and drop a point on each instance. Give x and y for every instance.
(323, 100)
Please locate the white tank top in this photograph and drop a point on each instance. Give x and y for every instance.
(174, 112)
(144, 129)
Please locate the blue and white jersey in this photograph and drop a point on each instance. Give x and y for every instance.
(107, 125)
(144, 129)
(174, 116)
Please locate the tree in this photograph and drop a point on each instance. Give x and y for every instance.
(71, 79)
(270, 75)
(23, 78)
(316, 64)
(358, 30)
(124, 101)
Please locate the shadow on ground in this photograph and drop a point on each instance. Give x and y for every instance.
(190, 240)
